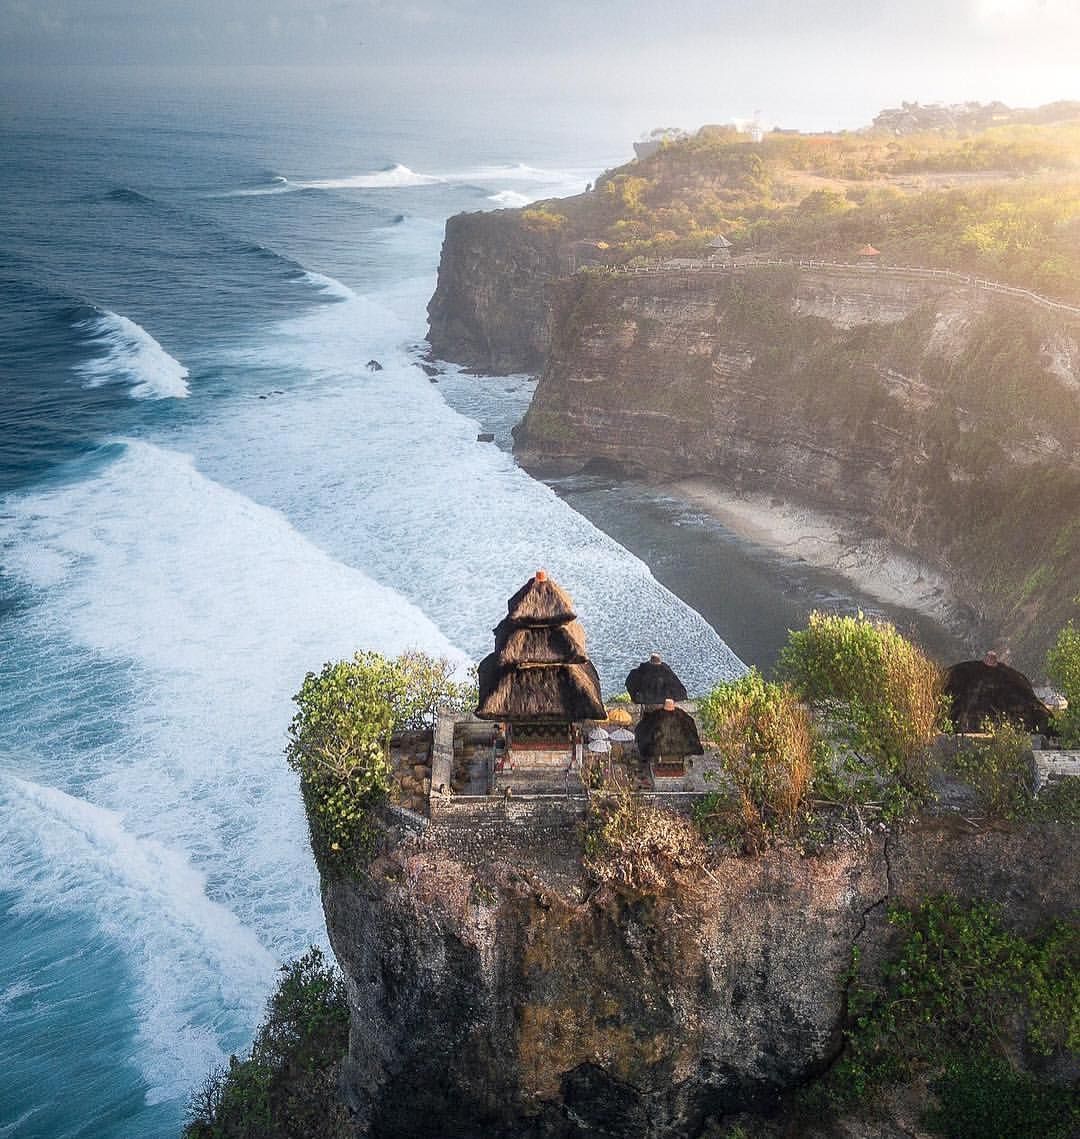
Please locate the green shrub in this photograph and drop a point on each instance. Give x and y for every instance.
(999, 770)
(878, 695)
(767, 746)
(1063, 669)
(982, 1096)
(957, 988)
(339, 742)
(286, 1088)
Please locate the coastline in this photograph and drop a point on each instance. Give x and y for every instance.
(752, 567)
(832, 543)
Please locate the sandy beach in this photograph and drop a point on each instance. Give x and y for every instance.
(830, 543)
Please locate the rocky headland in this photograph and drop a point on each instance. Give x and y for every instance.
(920, 414)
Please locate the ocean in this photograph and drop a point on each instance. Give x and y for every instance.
(206, 492)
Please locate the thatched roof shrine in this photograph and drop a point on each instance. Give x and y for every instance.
(540, 602)
(981, 690)
(653, 682)
(539, 672)
(667, 732)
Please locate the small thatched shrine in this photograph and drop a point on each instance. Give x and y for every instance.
(665, 737)
(653, 682)
(986, 690)
(539, 682)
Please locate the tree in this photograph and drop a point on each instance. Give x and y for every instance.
(339, 742)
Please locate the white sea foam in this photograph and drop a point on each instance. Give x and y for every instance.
(510, 199)
(132, 356)
(393, 177)
(67, 854)
(330, 286)
(547, 182)
(206, 610)
(452, 524)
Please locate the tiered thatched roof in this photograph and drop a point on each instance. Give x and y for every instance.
(541, 644)
(979, 691)
(653, 682)
(540, 602)
(667, 732)
(539, 671)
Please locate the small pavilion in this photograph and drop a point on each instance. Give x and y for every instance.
(987, 690)
(539, 684)
(868, 255)
(652, 682)
(665, 737)
(719, 248)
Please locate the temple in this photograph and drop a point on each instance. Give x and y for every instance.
(539, 684)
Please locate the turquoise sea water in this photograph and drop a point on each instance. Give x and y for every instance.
(204, 492)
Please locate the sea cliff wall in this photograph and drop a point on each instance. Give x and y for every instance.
(504, 994)
(490, 308)
(941, 417)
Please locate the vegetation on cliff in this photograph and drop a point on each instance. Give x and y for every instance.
(975, 1008)
(1000, 200)
(771, 752)
(286, 1087)
(878, 696)
(339, 742)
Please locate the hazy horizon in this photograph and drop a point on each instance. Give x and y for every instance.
(823, 64)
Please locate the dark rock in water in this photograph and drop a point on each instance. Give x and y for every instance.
(433, 379)
(428, 369)
(374, 366)
(398, 219)
(486, 437)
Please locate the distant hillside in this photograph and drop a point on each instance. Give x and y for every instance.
(983, 189)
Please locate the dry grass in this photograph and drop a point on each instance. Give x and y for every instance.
(638, 847)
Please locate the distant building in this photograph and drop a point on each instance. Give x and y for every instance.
(719, 248)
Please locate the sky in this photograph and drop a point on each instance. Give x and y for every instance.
(804, 63)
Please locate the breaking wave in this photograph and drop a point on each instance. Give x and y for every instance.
(510, 199)
(130, 355)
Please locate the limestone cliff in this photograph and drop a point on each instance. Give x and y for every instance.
(496, 991)
(940, 417)
(489, 309)
(944, 418)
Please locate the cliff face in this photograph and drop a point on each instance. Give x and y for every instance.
(942, 418)
(489, 309)
(946, 419)
(503, 995)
